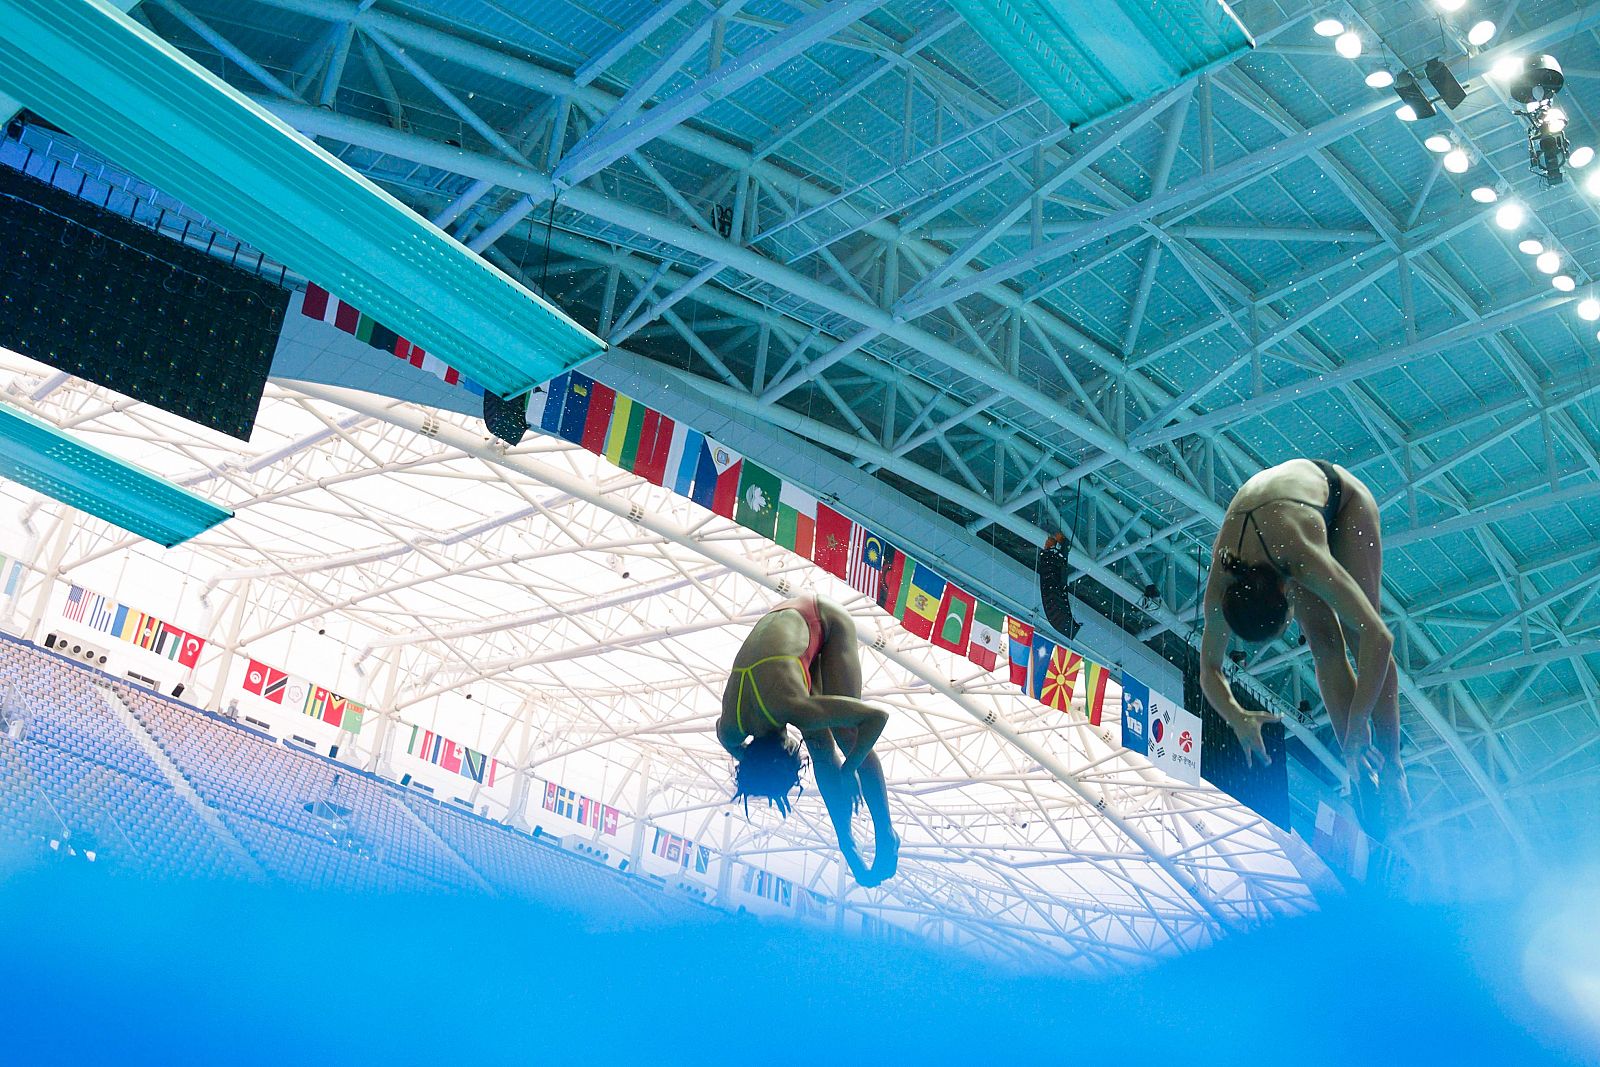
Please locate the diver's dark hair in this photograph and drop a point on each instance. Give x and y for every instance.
(768, 770)
(1254, 603)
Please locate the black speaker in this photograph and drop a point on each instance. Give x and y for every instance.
(50, 640)
(177, 691)
(92, 293)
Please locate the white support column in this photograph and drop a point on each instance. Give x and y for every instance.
(641, 815)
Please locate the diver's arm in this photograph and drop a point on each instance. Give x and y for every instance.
(1246, 724)
(1325, 577)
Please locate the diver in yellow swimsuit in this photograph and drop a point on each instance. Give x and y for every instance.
(801, 667)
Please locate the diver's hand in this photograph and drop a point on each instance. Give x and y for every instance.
(1247, 728)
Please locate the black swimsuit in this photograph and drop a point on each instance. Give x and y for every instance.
(1329, 510)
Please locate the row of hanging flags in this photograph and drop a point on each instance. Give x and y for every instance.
(288, 690)
(104, 615)
(576, 408)
(670, 454)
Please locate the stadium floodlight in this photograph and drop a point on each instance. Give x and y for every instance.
(1485, 194)
(1438, 143)
(44, 459)
(1564, 282)
(1482, 33)
(1589, 309)
(1548, 261)
(1581, 156)
(1348, 44)
(1509, 215)
(1456, 161)
(87, 67)
(1531, 246)
(1328, 28)
(1380, 78)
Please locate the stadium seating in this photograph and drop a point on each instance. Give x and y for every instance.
(80, 774)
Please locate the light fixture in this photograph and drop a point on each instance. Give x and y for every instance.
(1406, 113)
(1380, 79)
(1348, 44)
(1539, 78)
(1581, 156)
(1451, 5)
(58, 465)
(1438, 142)
(1592, 183)
(1484, 194)
(1589, 309)
(1531, 246)
(1506, 67)
(1481, 33)
(1456, 161)
(1548, 261)
(1509, 215)
(1554, 120)
(1564, 283)
(1328, 28)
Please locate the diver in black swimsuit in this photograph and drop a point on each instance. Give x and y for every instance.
(1317, 555)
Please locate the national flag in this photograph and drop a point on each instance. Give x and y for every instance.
(364, 326)
(333, 709)
(1039, 665)
(702, 859)
(597, 422)
(757, 506)
(474, 765)
(865, 569)
(265, 682)
(1020, 636)
(354, 716)
(346, 317)
(190, 654)
(1094, 691)
(608, 820)
(170, 642)
(383, 338)
(1060, 678)
(544, 405)
(682, 458)
(627, 427)
(655, 446)
(316, 702)
(149, 629)
(101, 611)
(415, 356)
(318, 303)
(119, 621)
(922, 600)
(131, 623)
(13, 579)
(988, 622)
(575, 406)
(716, 478)
(449, 755)
(952, 626)
(833, 541)
(77, 601)
(797, 520)
(892, 585)
(549, 792)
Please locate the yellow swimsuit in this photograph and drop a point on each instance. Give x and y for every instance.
(747, 676)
